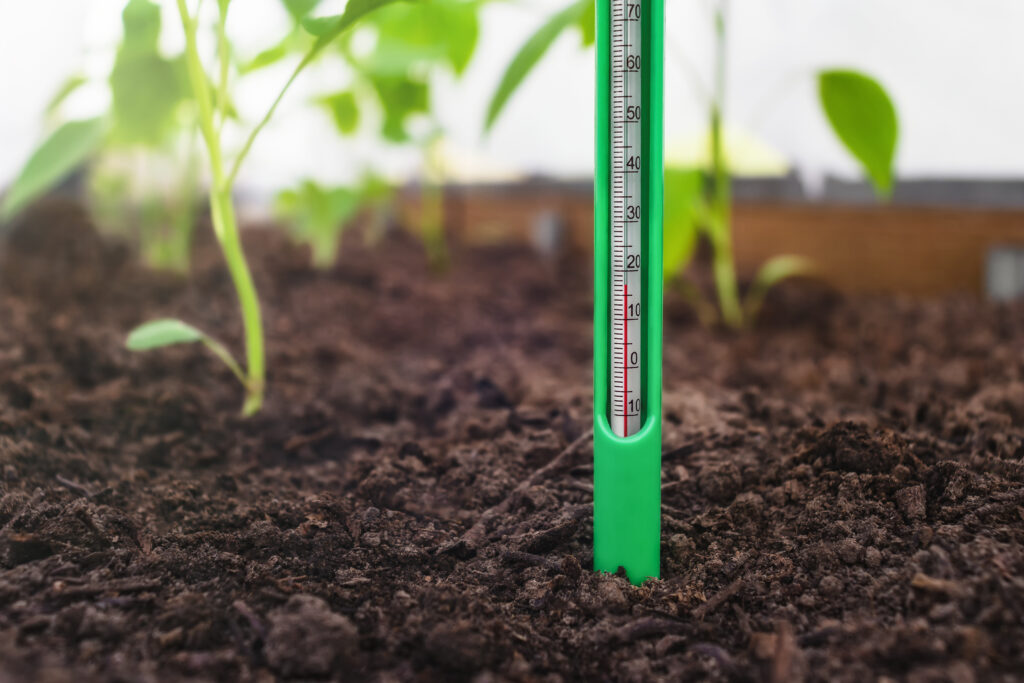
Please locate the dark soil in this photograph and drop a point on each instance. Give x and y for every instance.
(843, 489)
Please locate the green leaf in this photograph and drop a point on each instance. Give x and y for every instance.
(460, 26)
(297, 42)
(159, 333)
(530, 53)
(65, 150)
(683, 209)
(66, 90)
(146, 87)
(326, 29)
(318, 216)
(343, 109)
(141, 20)
(401, 97)
(774, 271)
(587, 24)
(269, 57)
(147, 90)
(864, 118)
(300, 9)
(422, 34)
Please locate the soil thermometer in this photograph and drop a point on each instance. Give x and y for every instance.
(628, 287)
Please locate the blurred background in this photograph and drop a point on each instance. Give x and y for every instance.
(954, 71)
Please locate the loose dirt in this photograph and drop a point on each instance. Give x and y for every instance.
(843, 488)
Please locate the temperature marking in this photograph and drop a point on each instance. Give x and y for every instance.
(627, 167)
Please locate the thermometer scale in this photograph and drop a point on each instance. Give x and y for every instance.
(628, 183)
(626, 401)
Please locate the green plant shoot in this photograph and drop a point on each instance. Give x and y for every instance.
(151, 120)
(413, 42)
(861, 115)
(392, 78)
(698, 202)
(211, 96)
(316, 216)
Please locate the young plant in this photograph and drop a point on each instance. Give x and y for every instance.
(413, 43)
(393, 77)
(861, 114)
(318, 215)
(211, 96)
(698, 202)
(150, 124)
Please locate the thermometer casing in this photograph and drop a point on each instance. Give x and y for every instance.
(627, 470)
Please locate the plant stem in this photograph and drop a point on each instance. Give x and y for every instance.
(720, 225)
(224, 54)
(223, 214)
(432, 207)
(225, 224)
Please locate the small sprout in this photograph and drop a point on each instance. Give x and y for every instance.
(318, 216)
(772, 272)
(158, 334)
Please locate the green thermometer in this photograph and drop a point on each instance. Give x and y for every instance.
(628, 288)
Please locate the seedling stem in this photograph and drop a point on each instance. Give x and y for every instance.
(222, 210)
(720, 218)
(213, 110)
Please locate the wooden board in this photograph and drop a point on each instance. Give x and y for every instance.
(921, 251)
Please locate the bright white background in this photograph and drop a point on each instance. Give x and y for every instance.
(955, 68)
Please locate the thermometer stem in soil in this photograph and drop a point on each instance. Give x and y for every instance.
(628, 179)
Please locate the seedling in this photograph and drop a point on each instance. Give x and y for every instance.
(391, 66)
(699, 201)
(316, 215)
(414, 42)
(861, 115)
(627, 289)
(150, 123)
(213, 107)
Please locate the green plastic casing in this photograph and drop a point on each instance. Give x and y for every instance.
(627, 471)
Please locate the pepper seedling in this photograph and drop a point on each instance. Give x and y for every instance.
(147, 133)
(392, 65)
(318, 216)
(211, 96)
(698, 201)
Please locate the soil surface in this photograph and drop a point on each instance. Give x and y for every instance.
(843, 488)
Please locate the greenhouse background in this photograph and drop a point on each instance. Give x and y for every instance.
(955, 69)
